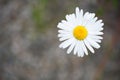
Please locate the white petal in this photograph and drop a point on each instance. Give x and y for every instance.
(97, 40)
(64, 31)
(76, 48)
(89, 46)
(89, 16)
(81, 12)
(77, 12)
(64, 35)
(95, 33)
(84, 48)
(66, 43)
(71, 46)
(70, 18)
(62, 26)
(94, 26)
(86, 16)
(65, 38)
(99, 21)
(93, 43)
(99, 24)
(91, 21)
(80, 50)
(65, 25)
(95, 37)
(92, 15)
(79, 17)
(95, 19)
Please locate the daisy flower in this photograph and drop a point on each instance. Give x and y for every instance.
(80, 32)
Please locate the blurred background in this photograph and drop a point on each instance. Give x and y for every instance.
(29, 43)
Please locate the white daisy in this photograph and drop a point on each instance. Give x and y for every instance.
(80, 32)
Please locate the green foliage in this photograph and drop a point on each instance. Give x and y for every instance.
(100, 11)
(115, 3)
(38, 14)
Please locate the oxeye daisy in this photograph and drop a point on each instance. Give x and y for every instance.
(80, 32)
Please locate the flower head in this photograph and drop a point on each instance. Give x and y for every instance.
(80, 32)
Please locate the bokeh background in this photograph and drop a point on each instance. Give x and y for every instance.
(29, 43)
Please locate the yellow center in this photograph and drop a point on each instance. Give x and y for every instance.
(80, 32)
